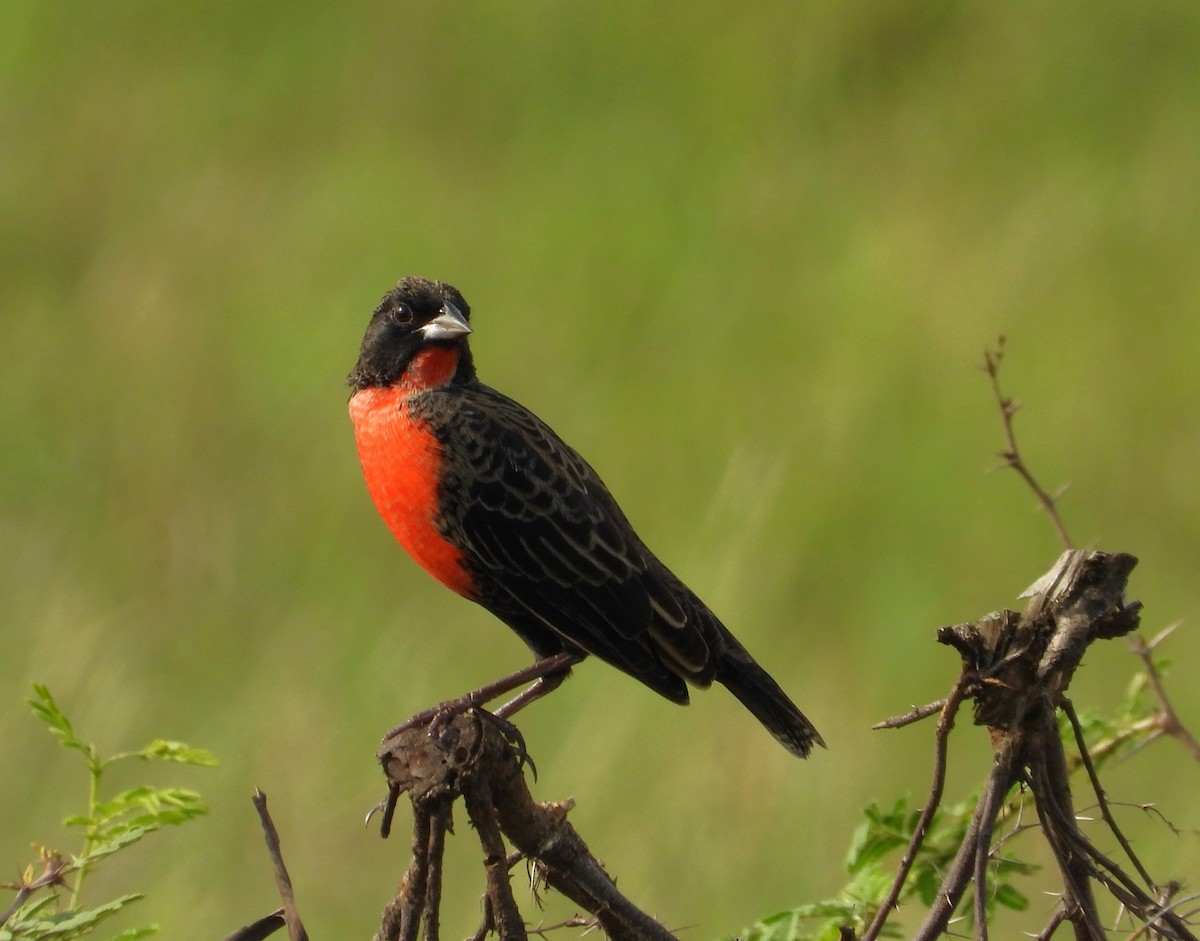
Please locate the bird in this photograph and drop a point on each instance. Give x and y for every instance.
(492, 503)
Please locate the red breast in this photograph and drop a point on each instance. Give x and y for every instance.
(402, 464)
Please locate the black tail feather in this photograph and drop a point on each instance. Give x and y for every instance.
(754, 688)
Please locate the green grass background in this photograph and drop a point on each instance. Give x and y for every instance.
(744, 256)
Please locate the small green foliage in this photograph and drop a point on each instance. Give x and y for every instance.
(882, 833)
(1010, 897)
(177, 751)
(74, 923)
(38, 912)
(47, 710)
(1118, 735)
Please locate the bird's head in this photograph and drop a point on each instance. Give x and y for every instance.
(415, 315)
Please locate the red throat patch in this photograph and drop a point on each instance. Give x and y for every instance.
(402, 464)
(431, 367)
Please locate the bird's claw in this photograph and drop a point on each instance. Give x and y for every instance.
(387, 807)
(513, 736)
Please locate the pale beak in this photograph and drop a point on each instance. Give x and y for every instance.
(448, 325)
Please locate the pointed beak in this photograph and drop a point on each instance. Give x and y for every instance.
(448, 325)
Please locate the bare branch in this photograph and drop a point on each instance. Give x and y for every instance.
(1059, 916)
(506, 917)
(1169, 719)
(1011, 455)
(1005, 768)
(915, 714)
(473, 758)
(1101, 799)
(258, 930)
(942, 737)
(283, 882)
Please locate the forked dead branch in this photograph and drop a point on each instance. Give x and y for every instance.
(473, 759)
(1016, 670)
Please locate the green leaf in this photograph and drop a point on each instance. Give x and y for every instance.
(132, 934)
(870, 885)
(1007, 865)
(112, 843)
(26, 914)
(73, 924)
(925, 881)
(164, 750)
(882, 833)
(151, 807)
(782, 926)
(1012, 898)
(46, 709)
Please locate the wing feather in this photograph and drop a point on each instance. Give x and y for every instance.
(553, 554)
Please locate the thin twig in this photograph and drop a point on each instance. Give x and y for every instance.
(1168, 906)
(1169, 719)
(1059, 916)
(1069, 710)
(1005, 766)
(401, 917)
(575, 921)
(1011, 455)
(282, 881)
(982, 857)
(915, 714)
(1122, 887)
(507, 918)
(1048, 779)
(439, 823)
(941, 739)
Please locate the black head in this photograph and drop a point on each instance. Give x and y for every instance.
(414, 314)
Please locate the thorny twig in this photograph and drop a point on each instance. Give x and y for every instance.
(1059, 916)
(942, 736)
(575, 921)
(915, 714)
(1102, 800)
(1168, 718)
(1011, 455)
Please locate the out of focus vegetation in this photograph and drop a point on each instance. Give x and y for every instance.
(746, 258)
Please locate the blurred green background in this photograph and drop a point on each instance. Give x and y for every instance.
(745, 257)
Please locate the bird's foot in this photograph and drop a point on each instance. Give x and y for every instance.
(513, 736)
(444, 734)
(439, 718)
(387, 807)
(436, 719)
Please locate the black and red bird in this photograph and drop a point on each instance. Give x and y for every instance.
(493, 504)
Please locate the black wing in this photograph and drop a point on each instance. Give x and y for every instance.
(553, 555)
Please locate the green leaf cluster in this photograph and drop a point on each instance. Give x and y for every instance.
(885, 830)
(49, 904)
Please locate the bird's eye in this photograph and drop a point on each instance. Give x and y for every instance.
(402, 315)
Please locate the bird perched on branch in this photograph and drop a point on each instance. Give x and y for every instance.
(494, 505)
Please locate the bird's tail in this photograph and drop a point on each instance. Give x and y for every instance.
(754, 688)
